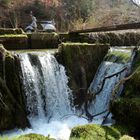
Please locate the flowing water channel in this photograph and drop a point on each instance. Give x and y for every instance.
(49, 99)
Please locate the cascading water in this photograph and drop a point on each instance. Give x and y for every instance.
(45, 84)
(48, 95)
(108, 75)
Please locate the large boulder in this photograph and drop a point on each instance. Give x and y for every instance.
(97, 132)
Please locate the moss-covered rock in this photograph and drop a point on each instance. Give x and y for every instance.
(126, 110)
(12, 108)
(14, 41)
(118, 56)
(33, 137)
(132, 87)
(30, 136)
(6, 31)
(125, 137)
(97, 132)
(44, 40)
(81, 61)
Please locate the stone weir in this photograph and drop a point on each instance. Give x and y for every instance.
(129, 37)
(81, 61)
(17, 39)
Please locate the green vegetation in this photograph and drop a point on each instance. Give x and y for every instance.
(125, 137)
(97, 132)
(27, 137)
(118, 56)
(13, 36)
(126, 110)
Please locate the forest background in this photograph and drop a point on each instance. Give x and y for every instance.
(69, 14)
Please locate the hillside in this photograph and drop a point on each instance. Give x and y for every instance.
(68, 14)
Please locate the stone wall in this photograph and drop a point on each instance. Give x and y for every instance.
(43, 40)
(114, 38)
(81, 61)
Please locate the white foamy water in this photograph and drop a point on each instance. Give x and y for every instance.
(102, 99)
(48, 96)
(118, 72)
(60, 130)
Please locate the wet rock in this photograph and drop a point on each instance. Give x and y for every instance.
(81, 61)
(97, 132)
(33, 137)
(14, 41)
(44, 40)
(12, 107)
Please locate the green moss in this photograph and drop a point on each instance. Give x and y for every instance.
(12, 41)
(117, 38)
(119, 57)
(96, 132)
(127, 111)
(137, 60)
(11, 31)
(125, 137)
(33, 137)
(13, 36)
(132, 87)
(44, 40)
(81, 61)
(27, 137)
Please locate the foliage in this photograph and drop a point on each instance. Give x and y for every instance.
(68, 13)
(4, 2)
(97, 132)
(27, 137)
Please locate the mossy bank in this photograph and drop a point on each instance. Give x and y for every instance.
(126, 110)
(12, 108)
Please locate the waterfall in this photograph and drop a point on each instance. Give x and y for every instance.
(45, 85)
(49, 99)
(110, 72)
